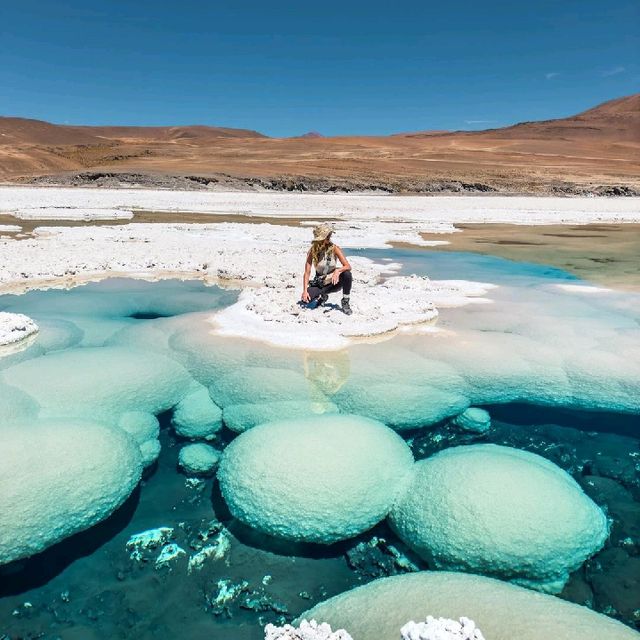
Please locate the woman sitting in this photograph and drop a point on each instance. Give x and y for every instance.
(324, 255)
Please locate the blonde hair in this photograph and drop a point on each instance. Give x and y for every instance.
(318, 250)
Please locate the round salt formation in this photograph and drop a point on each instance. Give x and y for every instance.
(322, 479)
(241, 417)
(401, 406)
(58, 478)
(474, 420)
(100, 383)
(503, 611)
(197, 416)
(501, 511)
(144, 428)
(198, 459)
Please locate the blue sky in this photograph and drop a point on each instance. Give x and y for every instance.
(285, 68)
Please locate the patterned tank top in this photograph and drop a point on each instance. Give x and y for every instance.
(327, 262)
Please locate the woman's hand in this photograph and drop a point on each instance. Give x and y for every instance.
(305, 296)
(335, 277)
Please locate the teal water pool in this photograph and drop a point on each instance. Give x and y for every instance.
(135, 367)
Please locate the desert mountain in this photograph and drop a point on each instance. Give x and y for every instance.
(600, 146)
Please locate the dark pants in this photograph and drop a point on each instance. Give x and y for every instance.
(344, 283)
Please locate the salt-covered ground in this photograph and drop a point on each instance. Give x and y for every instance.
(439, 209)
(71, 213)
(15, 327)
(267, 260)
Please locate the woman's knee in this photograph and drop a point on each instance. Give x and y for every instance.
(347, 277)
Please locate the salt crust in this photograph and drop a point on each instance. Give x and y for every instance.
(271, 255)
(69, 213)
(441, 629)
(58, 478)
(265, 260)
(377, 611)
(436, 210)
(15, 327)
(308, 630)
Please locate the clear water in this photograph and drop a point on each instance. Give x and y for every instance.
(558, 370)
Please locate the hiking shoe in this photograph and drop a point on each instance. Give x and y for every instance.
(318, 302)
(346, 307)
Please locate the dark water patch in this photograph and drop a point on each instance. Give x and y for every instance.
(149, 315)
(524, 414)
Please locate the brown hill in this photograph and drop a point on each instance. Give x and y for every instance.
(600, 146)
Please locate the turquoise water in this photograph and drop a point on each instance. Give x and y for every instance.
(459, 265)
(556, 369)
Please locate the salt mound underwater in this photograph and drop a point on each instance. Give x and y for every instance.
(378, 610)
(100, 382)
(321, 479)
(60, 477)
(499, 511)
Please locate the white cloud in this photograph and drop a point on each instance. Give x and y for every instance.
(614, 71)
(551, 74)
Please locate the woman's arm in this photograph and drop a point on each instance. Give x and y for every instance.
(335, 276)
(305, 279)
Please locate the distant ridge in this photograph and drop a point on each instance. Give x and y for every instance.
(311, 134)
(595, 151)
(614, 119)
(27, 131)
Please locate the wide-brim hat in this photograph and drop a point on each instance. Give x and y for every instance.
(322, 231)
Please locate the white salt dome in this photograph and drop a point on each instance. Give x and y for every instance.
(379, 609)
(198, 459)
(321, 479)
(58, 478)
(501, 511)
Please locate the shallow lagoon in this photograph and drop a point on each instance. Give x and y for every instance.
(567, 351)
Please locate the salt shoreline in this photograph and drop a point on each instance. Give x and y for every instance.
(266, 260)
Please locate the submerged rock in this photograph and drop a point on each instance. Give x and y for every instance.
(499, 511)
(503, 611)
(319, 480)
(58, 478)
(198, 459)
(377, 558)
(169, 554)
(140, 543)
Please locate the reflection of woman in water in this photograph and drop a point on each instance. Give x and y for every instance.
(324, 256)
(326, 372)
